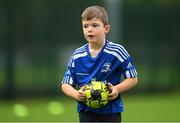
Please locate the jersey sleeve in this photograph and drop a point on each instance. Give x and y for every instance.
(129, 70)
(69, 75)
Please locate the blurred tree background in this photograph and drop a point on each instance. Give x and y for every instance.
(38, 36)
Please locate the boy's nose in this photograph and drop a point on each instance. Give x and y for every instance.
(89, 28)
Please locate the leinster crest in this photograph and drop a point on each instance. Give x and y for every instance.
(106, 67)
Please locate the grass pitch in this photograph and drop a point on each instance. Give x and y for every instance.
(138, 108)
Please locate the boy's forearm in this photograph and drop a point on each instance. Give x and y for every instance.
(69, 90)
(126, 84)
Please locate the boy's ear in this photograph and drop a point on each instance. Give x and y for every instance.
(107, 28)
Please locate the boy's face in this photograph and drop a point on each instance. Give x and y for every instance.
(94, 30)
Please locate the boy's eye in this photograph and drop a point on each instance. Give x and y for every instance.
(95, 25)
(85, 26)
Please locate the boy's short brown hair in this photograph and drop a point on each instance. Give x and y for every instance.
(95, 12)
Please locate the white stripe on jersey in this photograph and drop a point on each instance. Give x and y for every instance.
(71, 62)
(64, 79)
(80, 50)
(120, 47)
(76, 54)
(131, 73)
(71, 81)
(114, 54)
(128, 75)
(134, 72)
(82, 47)
(68, 80)
(80, 55)
(116, 50)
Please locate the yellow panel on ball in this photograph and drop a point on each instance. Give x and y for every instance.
(96, 94)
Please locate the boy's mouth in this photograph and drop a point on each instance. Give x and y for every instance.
(90, 36)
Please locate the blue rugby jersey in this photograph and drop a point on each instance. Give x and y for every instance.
(109, 65)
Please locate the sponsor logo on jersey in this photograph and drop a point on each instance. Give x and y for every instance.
(82, 74)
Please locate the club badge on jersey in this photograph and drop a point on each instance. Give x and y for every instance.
(106, 67)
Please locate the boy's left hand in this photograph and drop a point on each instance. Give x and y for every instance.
(113, 92)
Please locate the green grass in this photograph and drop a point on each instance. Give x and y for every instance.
(146, 108)
(151, 108)
(38, 110)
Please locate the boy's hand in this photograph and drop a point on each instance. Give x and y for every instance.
(81, 94)
(113, 93)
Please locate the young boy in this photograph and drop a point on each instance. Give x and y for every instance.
(101, 60)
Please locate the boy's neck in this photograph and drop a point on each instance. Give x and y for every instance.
(96, 46)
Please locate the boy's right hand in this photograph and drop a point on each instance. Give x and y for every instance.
(81, 94)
